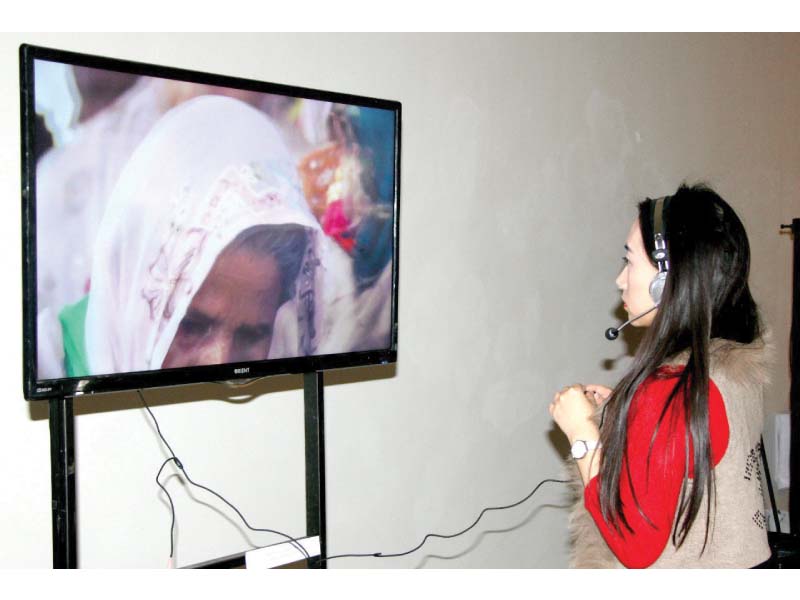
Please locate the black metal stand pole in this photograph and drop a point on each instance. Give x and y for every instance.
(62, 482)
(794, 362)
(315, 462)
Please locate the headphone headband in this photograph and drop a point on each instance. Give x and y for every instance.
(660, 254)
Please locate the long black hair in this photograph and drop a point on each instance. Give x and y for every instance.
(706, 296)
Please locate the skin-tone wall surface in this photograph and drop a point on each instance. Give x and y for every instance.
(523, 158)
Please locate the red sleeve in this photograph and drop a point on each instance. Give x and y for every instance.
(657, 488)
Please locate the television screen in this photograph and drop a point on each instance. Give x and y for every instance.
(181, 227)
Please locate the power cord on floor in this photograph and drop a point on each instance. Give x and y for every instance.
(430, 535)
(292, 540)
(182, 468)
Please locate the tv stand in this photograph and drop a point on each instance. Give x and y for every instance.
(62, 478)
(314, 403)
(62, 483)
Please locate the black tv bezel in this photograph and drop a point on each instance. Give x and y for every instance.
(95, 384)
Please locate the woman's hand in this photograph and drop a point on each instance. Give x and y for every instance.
(572, 411)
(598, 393)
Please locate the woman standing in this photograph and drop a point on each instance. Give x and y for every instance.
(671, 476)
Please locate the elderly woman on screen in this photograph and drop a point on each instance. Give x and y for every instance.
(207, 254)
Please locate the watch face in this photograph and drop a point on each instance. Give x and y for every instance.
(579, 449)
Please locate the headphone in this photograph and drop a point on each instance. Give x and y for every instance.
(660, 254)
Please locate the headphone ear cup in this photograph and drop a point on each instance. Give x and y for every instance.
(657, 287)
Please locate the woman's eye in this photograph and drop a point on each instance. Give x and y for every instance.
(252, 336)
(625, 261)
(194, 328)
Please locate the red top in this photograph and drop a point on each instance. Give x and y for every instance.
(658, 488)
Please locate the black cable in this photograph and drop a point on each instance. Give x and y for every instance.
(484, 511)
(179, 464)
(155, 422)
(171, 506)
(293, 540)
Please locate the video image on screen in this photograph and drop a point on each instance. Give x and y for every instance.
(181, 224)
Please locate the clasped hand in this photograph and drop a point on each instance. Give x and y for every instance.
(573, 409)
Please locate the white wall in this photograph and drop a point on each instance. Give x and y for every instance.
(523, 157)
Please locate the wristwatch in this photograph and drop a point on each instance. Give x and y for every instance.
(581, 448)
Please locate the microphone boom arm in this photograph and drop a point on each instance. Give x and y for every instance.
(612, 333)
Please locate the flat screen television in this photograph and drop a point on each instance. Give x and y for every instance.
(182, 227)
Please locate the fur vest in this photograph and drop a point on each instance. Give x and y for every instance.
(740, 371)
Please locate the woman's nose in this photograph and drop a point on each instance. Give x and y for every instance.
(620, 280)
(216, 351)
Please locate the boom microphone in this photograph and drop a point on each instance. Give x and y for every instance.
(612, 333)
